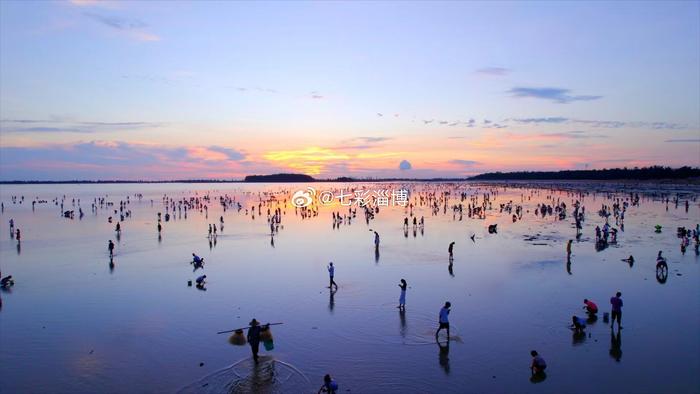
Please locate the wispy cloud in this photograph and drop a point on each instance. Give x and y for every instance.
(557, 95)
(117, 160)
(231, 154)
(94, 3)
(374, 139)
(614, 124)
(577, 134)
(683, 140)
(41, 129)
(315, 95)
(255, 89)
(65, 126)
(464, 163)
(132, 28)
(361, 143)
(608, 124)
(116, 22)
(493, 71)
(555, 119)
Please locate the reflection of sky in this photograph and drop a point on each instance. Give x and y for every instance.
(71, 325)
(219, 90)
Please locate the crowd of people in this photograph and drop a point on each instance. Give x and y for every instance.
(435, 200)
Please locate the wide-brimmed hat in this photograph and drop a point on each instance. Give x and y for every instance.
(254, 322)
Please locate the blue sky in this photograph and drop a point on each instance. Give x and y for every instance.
(340, 88)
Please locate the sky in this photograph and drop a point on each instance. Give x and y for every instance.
(196, 90)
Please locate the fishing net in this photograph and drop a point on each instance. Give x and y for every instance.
(237, 338)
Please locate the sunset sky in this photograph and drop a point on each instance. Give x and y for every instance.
(156, 90)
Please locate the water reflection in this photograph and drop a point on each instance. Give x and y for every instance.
(578, 337)
(402, 320)
(331, 299)
(616, 344)
(296, 261)
(629, 260)
(592, 318)
(662, 273)
(538, 377)
(444, 356)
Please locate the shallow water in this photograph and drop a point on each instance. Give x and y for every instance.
(73, 324)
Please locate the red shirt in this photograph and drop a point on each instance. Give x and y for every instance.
(592, 306)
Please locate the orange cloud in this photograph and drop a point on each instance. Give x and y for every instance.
(310, 160)
(315, 160)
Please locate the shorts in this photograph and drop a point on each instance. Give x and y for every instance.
(618, 314)
(445, 325)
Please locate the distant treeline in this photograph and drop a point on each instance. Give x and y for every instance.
(78, 181)
(645, 173)
(280, 178)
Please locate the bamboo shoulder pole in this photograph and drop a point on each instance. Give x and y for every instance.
(236, 329)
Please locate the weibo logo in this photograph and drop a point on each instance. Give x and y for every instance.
(303, 198)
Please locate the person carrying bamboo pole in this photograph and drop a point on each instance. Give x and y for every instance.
(254, 338)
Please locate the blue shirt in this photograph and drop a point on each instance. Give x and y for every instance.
(443, 315)
(539, 361)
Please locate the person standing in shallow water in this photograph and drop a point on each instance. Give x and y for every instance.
(451, 248)
(616, 303)
(376, 240)
(444, 320)
(254, 338)
(331, 274)
(110, 247)
(402, 299)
